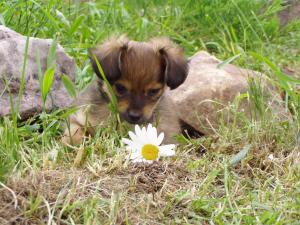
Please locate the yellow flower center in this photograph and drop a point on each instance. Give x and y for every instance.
(150, 152)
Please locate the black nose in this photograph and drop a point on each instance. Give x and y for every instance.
(134, 116)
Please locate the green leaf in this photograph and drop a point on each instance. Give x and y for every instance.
(239, 156)
(62, 18)
(278, 73)
(227, 61)
(69, 85)
(39, 67)
(75, 25)
(52, 54)
(54, 22)
(69, 112)
(22, 82)
(2, 21)
(111, 92)
(47, 82)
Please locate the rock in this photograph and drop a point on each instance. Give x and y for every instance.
(208, 91)
(12, 51)
(290, 12)
(5, 32)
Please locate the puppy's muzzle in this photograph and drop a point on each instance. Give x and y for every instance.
(134, 116)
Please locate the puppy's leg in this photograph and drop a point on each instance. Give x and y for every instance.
(168, 121)
(78, 128)
(93, 111)
(170, 132)
(73, 135)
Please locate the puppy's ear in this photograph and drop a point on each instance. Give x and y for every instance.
(109, 56)
(176, 63)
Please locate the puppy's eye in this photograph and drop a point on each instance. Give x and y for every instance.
(153, 92)
(121, 89)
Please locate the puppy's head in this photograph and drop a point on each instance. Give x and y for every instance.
(139, 73)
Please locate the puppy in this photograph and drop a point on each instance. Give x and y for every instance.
(140, 73)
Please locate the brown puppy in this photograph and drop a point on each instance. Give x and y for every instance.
(140, 74)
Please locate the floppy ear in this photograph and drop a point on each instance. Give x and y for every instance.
(109, 56)
(176, 63)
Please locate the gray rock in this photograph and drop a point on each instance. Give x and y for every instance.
(208, 92)
(12, 51)
(290, 12)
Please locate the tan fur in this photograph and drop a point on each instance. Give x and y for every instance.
(138, 67)
(93, 111)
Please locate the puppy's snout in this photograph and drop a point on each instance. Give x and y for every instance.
(134, 116)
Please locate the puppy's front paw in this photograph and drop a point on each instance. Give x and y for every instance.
(170, 139)
(73, 136)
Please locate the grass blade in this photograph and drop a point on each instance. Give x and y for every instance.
(48, 15)
(47, 82)
(239, 156)
(22, 83)
(2, 21)
(227, 61)
(111, 92)
(277, 71)
(75, 25)
(52, 54)
(39, 67)
(69, 85)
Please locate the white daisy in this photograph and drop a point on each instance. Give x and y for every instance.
(145, 145)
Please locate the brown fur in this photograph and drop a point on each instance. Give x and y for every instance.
(140, 73)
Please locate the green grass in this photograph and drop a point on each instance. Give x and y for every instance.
(91, 184)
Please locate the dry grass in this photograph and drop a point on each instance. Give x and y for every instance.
(140, 187)
(193, 186)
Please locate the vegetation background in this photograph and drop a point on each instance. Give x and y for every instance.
(247, 174)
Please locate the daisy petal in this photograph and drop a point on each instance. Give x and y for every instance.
(134, 155)
(132, 145)
(138, 130)
(148, 133)
(131, 155)
(144, 131)
(167, 150)
(135, 138)
(132, 135)
(144, 135)
(137, 160)
(149, 127)
(152, 134)
(149, 161)
(160, 138)
(127, 141)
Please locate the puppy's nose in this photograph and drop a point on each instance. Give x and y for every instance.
(134, 116)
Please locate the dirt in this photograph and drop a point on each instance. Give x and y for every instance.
(55, 186)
